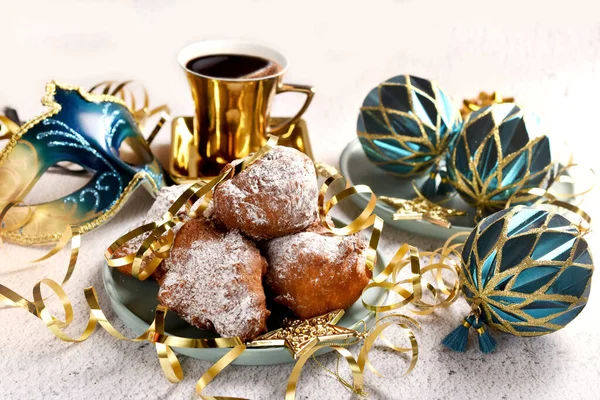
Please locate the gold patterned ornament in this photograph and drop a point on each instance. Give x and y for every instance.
(405, 125)
(500, 151)
(299, 336)
(525, 271)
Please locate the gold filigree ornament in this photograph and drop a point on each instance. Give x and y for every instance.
(406, 124)
(299, 336)
(404, 278)
(499, 151)
(420, 208)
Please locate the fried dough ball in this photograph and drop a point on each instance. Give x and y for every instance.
(313, 273)
(275, 196)
(213, 280)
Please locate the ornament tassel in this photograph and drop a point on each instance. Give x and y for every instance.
(457, 339)
(487, 343)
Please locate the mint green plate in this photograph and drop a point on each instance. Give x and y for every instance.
(134, 302)
(358, 170)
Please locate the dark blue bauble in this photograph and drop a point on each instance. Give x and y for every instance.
(405, 125)
(528, 269)
(497, 153)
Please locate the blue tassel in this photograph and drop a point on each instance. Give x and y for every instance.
(487, 343)
(458, 338)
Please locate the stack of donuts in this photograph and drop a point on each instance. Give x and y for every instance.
(260, 238)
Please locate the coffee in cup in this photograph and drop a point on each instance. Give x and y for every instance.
(233, 84)
(233, 66)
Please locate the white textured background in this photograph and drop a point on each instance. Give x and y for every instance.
(545, 53)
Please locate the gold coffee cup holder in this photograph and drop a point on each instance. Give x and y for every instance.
(184, 155)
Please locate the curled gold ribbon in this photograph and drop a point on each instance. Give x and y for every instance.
(216, 369)
(406, 256)
(159, 247)
(357, 374)
(358, 365)
(7, 127)
(544, 197)
(377, 331)
(159, 240)
(141, 112)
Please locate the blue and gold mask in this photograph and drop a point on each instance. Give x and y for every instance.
(90, 130)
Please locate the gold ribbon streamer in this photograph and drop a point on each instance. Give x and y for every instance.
(216, 369)
(125, 92)
(544, 197)
(357, 365)
(155, 333)
(377, 331)
(7, 127)
(157, 245)
(406, 255)
(357, 374)
(72, 234)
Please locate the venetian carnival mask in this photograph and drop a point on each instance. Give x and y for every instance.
(86, 129)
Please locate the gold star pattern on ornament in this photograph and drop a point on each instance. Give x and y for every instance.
(483, 100)
(299, 336)
(420, 208)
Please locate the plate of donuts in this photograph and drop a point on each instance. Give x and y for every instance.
(258, 254)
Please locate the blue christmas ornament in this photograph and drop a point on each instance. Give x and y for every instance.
(437, 187)
(405, 125)
(498, 152)
(525, 271)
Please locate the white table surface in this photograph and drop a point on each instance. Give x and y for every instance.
(546, 54)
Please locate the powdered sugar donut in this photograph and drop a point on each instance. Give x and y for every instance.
(275, 196)
(213, 280)
(313, 273)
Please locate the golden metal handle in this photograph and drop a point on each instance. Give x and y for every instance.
(309, 91)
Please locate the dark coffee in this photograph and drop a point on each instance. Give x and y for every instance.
(233, 66)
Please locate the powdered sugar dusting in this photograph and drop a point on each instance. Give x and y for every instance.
(313, 273)
(165, 199)
(216, 282)
(275, 196)
(342, 251)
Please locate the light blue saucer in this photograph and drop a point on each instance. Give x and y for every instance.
(357, 169)
(134, 302)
